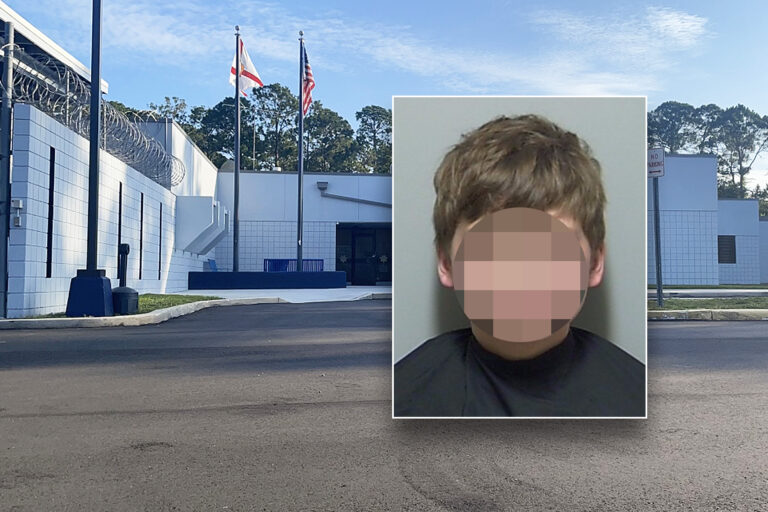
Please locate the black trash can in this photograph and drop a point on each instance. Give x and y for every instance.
(125, 301)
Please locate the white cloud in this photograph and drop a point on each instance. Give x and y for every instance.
(587, 55)
(681, 29)
(627, 43)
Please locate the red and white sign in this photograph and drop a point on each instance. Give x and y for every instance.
(656, 162)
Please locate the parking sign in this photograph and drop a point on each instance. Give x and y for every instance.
(656, 162)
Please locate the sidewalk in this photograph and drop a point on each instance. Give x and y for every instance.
(683, 293)
(708, 314)
(300, 295)
(228, 298)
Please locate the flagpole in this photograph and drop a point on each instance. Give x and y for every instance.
(299, 226)
(236, 213)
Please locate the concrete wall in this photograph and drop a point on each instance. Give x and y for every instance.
(30, 292)
(739, 217)
(277, 239)
(689, 219)
(268, 211)
(200, 178)
(274, 197)
(763, 232)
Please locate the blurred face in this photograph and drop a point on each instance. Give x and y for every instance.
(520, 274)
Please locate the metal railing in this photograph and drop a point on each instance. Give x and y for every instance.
(289, 265)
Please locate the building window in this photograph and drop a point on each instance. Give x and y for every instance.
(726, 249)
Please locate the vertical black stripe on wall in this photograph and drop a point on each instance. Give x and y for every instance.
(141, 234)
(119, 219)
(160, 244)
(119, 223)
(49, 247)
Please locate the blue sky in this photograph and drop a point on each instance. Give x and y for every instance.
(364, 52)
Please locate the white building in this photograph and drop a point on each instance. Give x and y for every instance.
(47, 244)
(161, 196)
(347, 222)
(688, 221)
(738, 241)
(763, 248)
(704, 241)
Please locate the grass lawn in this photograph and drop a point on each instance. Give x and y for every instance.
(150, 302)
(724, 303)
(712, 286)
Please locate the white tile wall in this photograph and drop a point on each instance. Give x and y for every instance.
(30, 292)
(688, 247)
(277, 239)
(763, 230)
(746, 270)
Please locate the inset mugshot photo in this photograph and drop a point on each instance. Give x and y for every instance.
(519, 249)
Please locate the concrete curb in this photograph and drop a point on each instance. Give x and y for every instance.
(725, 294)
(710, 314)
(153, 317)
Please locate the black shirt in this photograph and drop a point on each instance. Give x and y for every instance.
(585, 375)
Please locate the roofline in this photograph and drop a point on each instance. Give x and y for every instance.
(184, 132)
(690, 155)
(189, 139)
(47, 44)
(252, 171)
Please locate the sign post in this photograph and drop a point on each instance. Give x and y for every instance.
(655, 171)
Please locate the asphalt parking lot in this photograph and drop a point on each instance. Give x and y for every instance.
(287, 407)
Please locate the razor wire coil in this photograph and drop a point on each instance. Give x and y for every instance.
(59, 92)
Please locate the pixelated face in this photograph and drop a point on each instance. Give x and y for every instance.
(520, 274)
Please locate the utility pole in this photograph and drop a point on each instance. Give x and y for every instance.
(5, 164)
(90, 292)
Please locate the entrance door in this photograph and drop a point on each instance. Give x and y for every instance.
(364, 259)
(364, 252)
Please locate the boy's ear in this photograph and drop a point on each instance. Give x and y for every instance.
(597, 266)
(444, 272)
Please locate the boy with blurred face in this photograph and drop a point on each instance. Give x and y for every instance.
(519, 236)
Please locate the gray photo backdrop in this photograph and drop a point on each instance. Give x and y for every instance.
(424, 129)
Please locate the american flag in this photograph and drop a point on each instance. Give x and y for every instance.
(307, 82)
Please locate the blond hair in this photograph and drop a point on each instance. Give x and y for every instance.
(525, 161)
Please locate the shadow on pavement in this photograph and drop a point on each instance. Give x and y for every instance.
(245, 359)
(263, 337)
